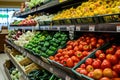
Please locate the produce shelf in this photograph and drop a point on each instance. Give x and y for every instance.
(24, 27)
(58, 72)
(18, 66)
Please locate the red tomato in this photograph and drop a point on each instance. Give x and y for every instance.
(58, 55)
(64, 61)
(84, 43)
(78, 69)
(102, 56)
(79, 54)
(115, 78)
(61, 58)
(101, 41)
(108, 56)
(86, 48)
(71, 52)
(82, 66)
(80, 47)
(66, 56)
(69, 62)
(89, 61)
(97, 53)
(69, 42)
(97, 74)
(56, 58)
(75, 59)
(93, 39)
(116, 68)
(115, 74)
(117, 54)
(105, 78)
(89, 68)
(51, 58)
(98, 60)
(76, 48)
(60, 51)
(90, 74)
(110, 51)
(69, 47)
(83, 71)
(88, 41)
(107, 72)
(75, 44)
(113, 59)
(98, 45)
(85, 53)
(93, 44)
(96, 64)
(105, 64)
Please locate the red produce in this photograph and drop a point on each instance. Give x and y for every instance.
(105, 64)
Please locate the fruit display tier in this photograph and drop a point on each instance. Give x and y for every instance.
(58, 72)
(56, 4)
(23, 28)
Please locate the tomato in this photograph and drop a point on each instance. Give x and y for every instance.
(85, 53)
(89, 68)
(105, 78)
(105, 64)
(61, 58)
(96, 64)
(76, 48)
(69, 47)
(78, 69)
(102, 56)
(75, 59)
(71, 52)
(118, 47)
(117, 53)
(75, 63)
(58, 55)
(107, 72)
(69, 62)
(97, 53)
(113, 59)
(56, 58)
(116, 68)
(60, 51)
(69, 42)
(90, 74)
(114, 47)
(89, 61)
(80, 47)
(88, 41)
(51, 58)
(79, 54)
(98, 45)
(66, 56)
(64, 61)
(86, 48)
(93, 39)
(93, 44)
(84, 43)
(75, 44)
(115, 74)
(82, 66)
(110, 51)
(98, 60)
(87, 38)
(97, 74)
(101, 41)
(108, 56)
(83, 71)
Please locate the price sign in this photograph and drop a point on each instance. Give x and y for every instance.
(67, 78)
(91, 27)
(68, 28)
(72, 28)
(51, 69)
(78, 28)
(118, 28)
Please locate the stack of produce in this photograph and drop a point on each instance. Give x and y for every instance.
(96, 7)
(77, 50)
(24, 38)
(47, 45)
(105, 65)
(19, 57)
(14, 73)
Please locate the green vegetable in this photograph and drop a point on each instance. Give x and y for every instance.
(52, 48)
(43, 49)
(46, 44)
(50, 52)
(44, 55)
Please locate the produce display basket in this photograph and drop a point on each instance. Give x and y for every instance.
(92, 55)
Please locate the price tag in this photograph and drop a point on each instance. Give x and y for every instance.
(51, 69)
(58, 28)
(78, 28)
(118, 28)
(67, 78)
(91, 27)
(72, 28)
(68, 28)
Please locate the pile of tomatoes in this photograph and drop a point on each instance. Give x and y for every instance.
(77, 50)
(106, 65)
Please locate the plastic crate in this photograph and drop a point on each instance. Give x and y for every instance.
(92, 55)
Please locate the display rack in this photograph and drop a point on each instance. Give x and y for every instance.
(58, 72)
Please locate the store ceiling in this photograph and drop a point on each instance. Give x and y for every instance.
(11, 3)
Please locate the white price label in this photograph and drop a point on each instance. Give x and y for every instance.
(51, 69)
(91, 27)
(67, 78)
(78, 28)
(72, 28)
(118, 28)
(58, 28)
(68, 28)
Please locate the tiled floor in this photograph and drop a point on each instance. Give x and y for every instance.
(3, 58)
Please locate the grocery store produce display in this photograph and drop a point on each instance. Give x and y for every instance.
(77, 50)
(104, 63)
